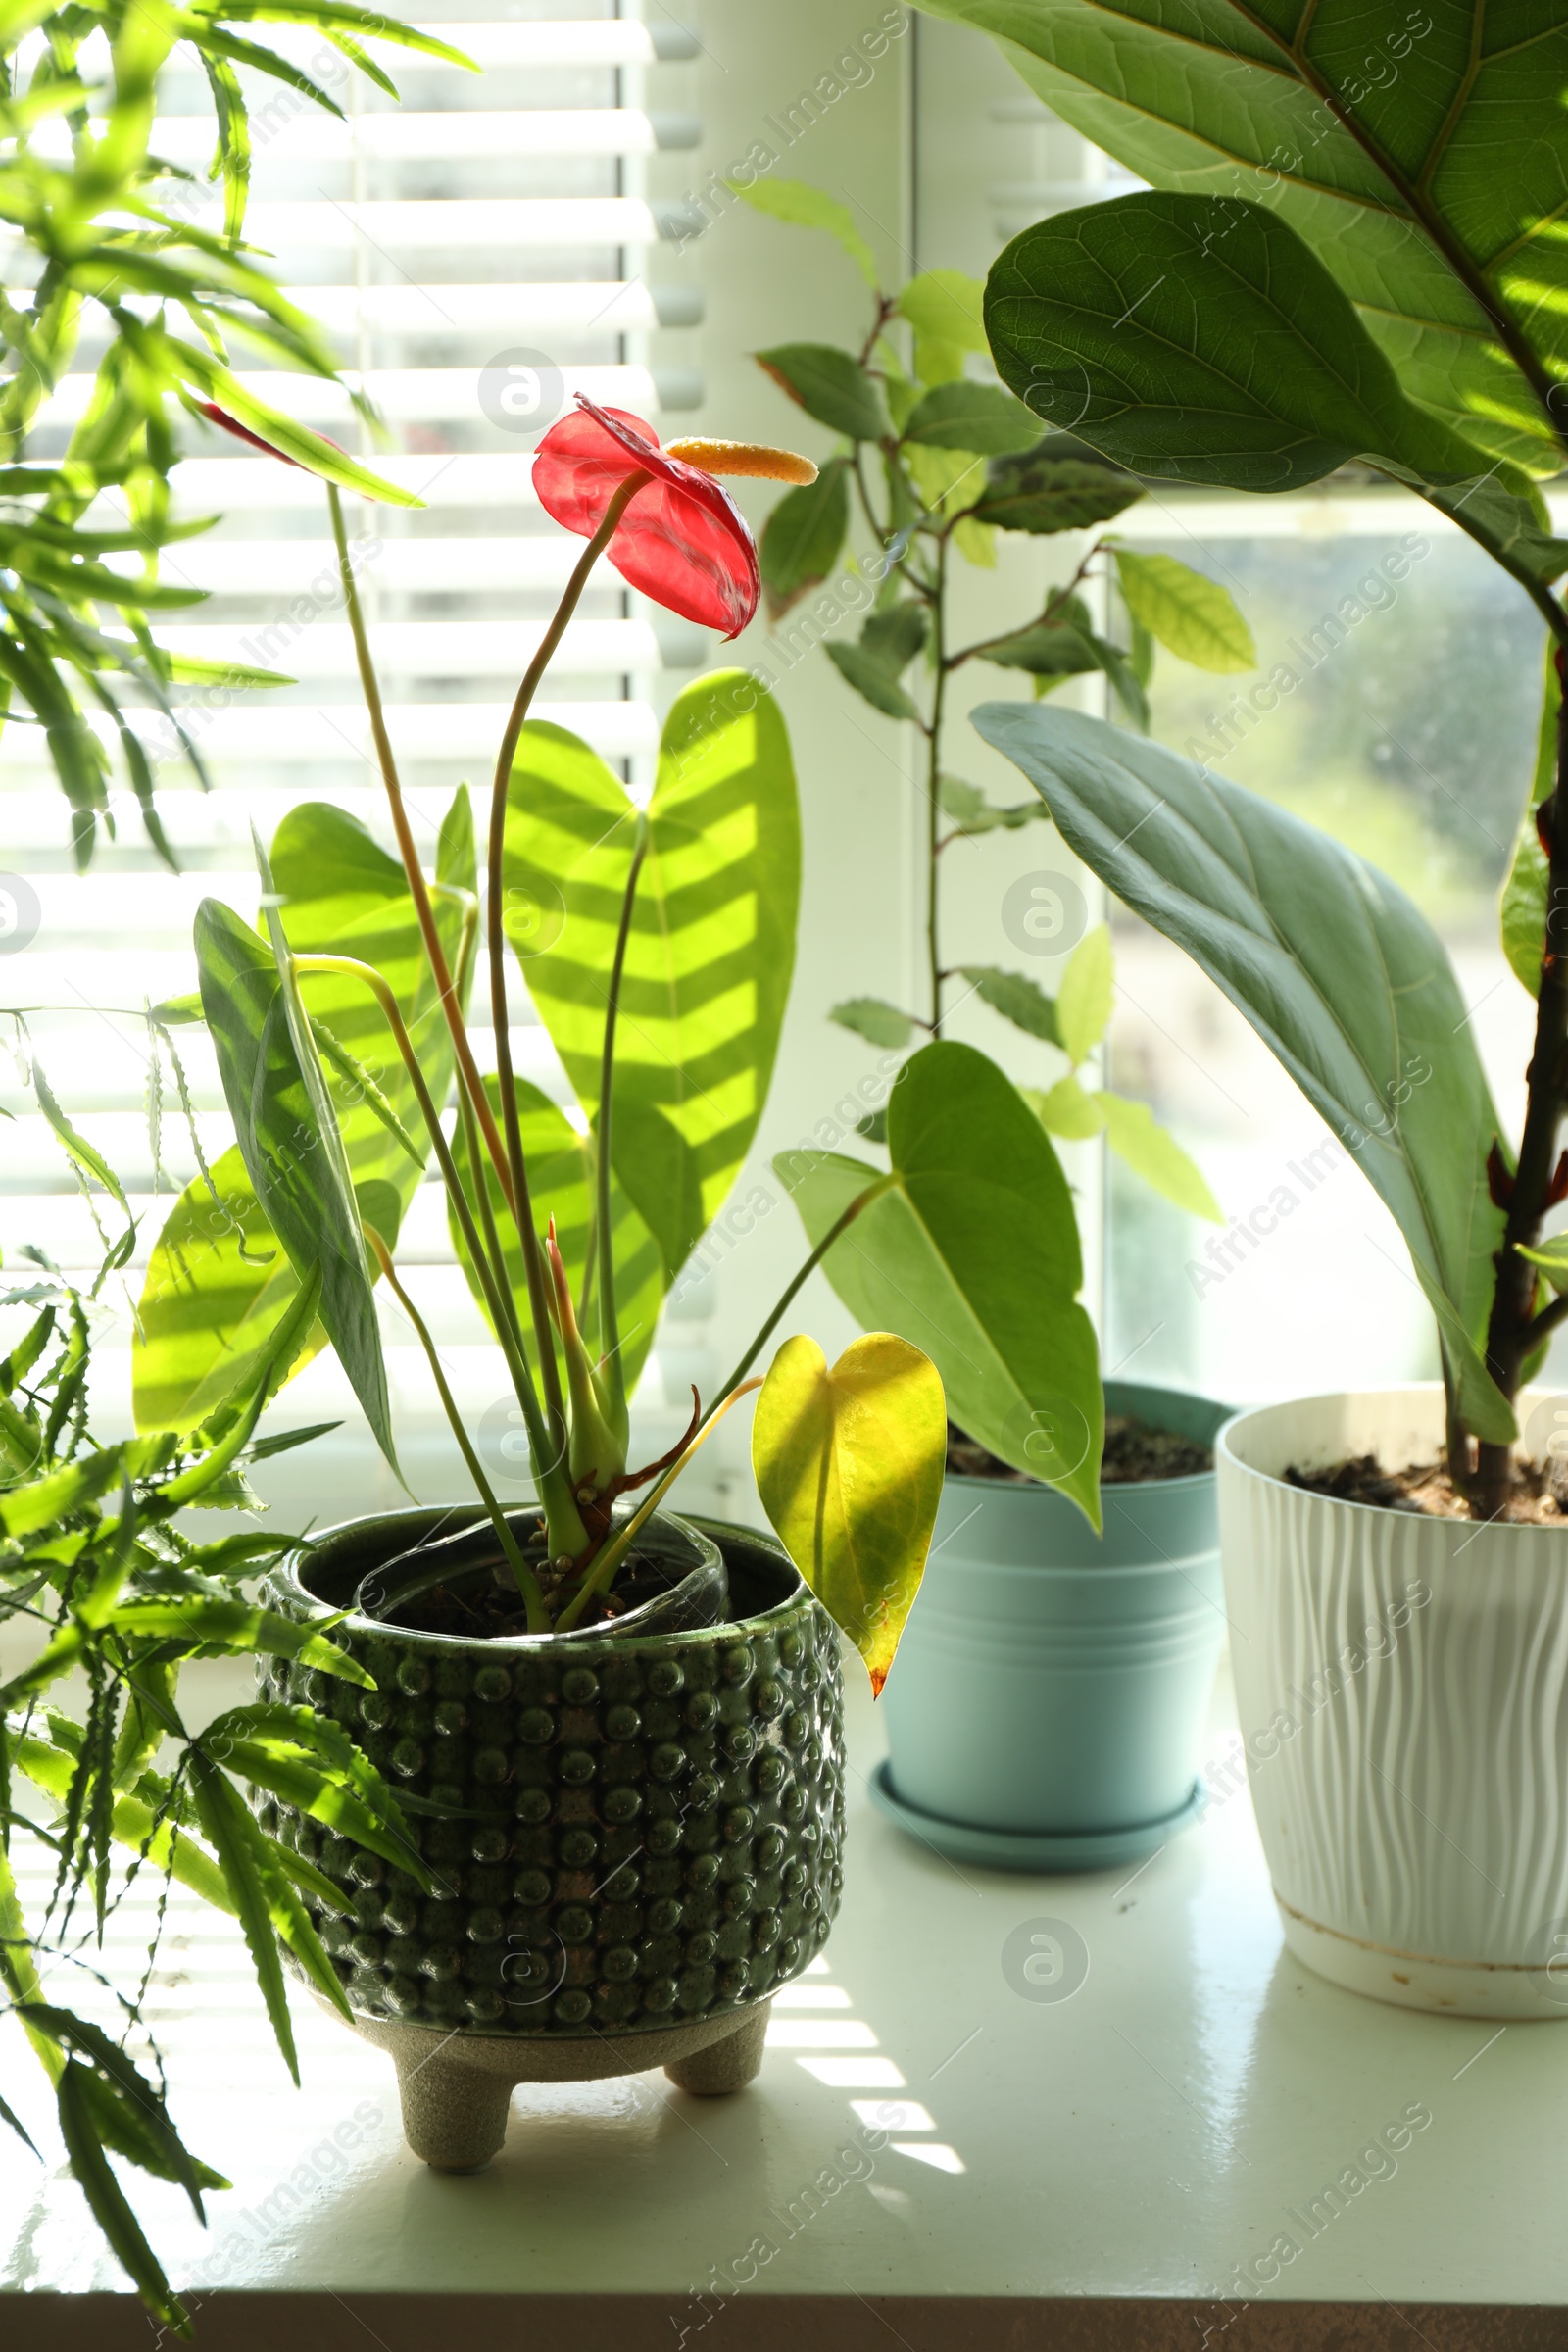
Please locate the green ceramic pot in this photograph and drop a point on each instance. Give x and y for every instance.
(625, 1834)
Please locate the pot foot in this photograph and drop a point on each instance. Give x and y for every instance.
(727, 2065)
(454, 2117)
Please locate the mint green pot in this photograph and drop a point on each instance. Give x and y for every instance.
(1045, 1708)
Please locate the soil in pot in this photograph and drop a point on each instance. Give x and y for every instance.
(460, 1585)
(1540, 1497)
(1134, 1450)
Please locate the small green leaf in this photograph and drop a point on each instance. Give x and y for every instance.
(1153, 1153)
(829, 385)
(848, 1465)
(1034, 491)
(105, 2196)
(1019, 1000)
(869, 678)
(1062, 647)
(980, 417)
(803, 537)
(894, 636)
(1067, 1109)
(806, 207)
(1192, 615)
(234, 1628)
(1523, 912)
(882, 1024)
(974, 814)
(87, 1156)
(944, 307)
(240, 1847)
(1086, 995)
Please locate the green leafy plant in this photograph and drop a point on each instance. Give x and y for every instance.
(99, 1583)
(80, 537)
(1335, 262)
(658, 942)
(955, 460)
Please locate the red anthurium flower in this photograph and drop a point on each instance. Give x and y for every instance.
(681, 539)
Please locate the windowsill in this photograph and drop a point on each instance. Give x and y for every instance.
(1135, 2143)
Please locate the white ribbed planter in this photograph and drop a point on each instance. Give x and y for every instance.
(1402, 1686)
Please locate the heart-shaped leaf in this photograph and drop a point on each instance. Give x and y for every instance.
(1342, 977)
(971, 1251)
(712, 946)
(849, 1464)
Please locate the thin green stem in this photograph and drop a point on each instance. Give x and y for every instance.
(532, 1255)
(933, 835)
(834, 1233)
(599, 1575)
(610, 1362)
(447, 992)
(567, 1535)
(526, 1582)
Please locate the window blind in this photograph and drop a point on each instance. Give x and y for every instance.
(492, 235)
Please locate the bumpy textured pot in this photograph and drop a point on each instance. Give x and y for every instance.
(633, 1842)
(1402, 1686)
(1046, 1704)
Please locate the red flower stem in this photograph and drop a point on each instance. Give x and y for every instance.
(518, 1201)
(450, 1002)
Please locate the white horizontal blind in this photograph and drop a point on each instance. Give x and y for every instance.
(492, 221)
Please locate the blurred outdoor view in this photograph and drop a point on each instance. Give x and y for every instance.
(1411, 737)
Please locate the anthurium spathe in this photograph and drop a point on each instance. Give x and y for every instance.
(679, 536)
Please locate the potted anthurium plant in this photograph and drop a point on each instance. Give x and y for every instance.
(1352, 269)
(1051, 1688)
(616, 1733)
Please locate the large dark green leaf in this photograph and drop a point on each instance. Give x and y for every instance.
(712, 946)
(1338, 972)
(971, 1254)
(1202, 342)
(1419, 152)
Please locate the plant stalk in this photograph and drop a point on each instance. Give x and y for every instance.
(834, 1233)
(933, 831)
(521, 1207)
(526, 1582)
(568, 1538)
(450, 1002)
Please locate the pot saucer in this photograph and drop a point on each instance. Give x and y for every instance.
(1061, 1850)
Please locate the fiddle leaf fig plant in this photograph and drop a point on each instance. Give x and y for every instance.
(658, 942)
(955, 459)
(1337, 262)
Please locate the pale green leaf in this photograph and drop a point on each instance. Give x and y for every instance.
(1194, 616)
(1086, 995)
(806, 207)
(1153, 1153)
